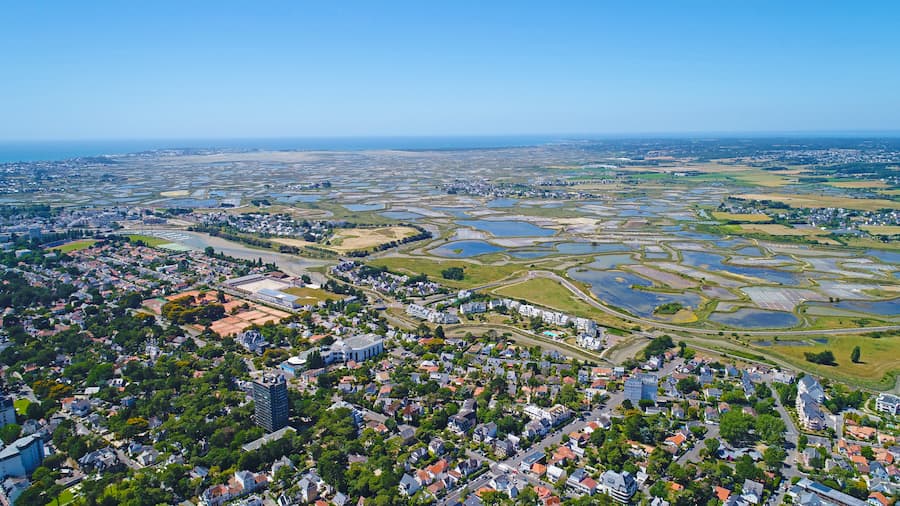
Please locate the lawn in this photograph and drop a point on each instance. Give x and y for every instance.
(741, 217)
(74, 245)
(66, 497)
(813, 201)
(149, 240)
(475, 274)
(310, 295)
(21, 405)
(880, 358)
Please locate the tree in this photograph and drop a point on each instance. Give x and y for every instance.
(824, 358)
(10, 432)
(854, 355)
(734, 427)
(687, 385)
(712, 446)
(332, 465)
(745, 469)
(774, 457)
(770, 429)
(454, 273)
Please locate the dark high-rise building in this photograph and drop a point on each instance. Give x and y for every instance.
(271, 399)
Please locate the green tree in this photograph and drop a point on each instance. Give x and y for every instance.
(774, 457)
(734, 427)
(854, 355)
(770, 429)
(10, 432)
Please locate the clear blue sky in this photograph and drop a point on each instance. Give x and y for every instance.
(193, 69)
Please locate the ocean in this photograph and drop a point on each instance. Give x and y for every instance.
(30, 151)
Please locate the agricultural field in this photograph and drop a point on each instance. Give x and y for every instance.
(352, 239)
(882, 229)
(741, 217)
(824, 201)
(855, 184)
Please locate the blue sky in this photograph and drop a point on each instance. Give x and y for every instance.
(102, 70)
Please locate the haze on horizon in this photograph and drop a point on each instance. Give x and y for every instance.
(106, 70)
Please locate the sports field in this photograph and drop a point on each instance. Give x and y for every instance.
(74, 245)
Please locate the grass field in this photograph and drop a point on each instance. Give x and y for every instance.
(857, 184)
(777, 229)
(893, 193)
(21, 405)
(74, 245)
(351, 239)
(310, 295)
(823, 201)
(880, 358)
(881, 229)
(67, 496)
(149, 240)
(475, 274)
(741, 217)
(548, 293)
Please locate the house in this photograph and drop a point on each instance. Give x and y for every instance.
(808, 492)
(809, 412)
(504, 448)
(620, 486)
(436, 446)
(887, 403)
(408, 485)
(102, 460)
(752, 491)
(485, 432)
(810, 386)
(78, 407)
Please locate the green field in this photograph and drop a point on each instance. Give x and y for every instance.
(21, 405)
(74, 245)
(149, 240)
(548, 293)
(880, 359)
(475, 274)
(66, 497)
